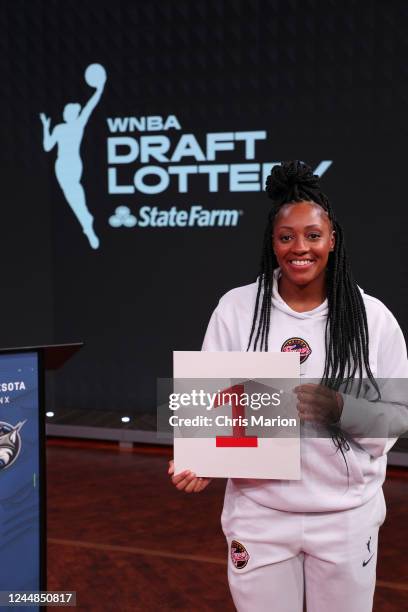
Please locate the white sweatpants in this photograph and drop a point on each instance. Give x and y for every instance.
(275, 557)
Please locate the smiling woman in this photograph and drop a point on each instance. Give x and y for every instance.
(303, 238)
(312, 536)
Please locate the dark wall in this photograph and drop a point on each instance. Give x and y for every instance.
(326, 81)
(26, 302)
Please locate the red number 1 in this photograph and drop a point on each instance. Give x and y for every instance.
(239, 437)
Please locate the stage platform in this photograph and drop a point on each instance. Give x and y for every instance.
(125, 539)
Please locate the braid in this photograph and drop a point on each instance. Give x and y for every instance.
(346, 336)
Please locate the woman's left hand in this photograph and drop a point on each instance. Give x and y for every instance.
(319, 404)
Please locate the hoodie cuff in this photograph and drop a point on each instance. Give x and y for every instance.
(361, 418)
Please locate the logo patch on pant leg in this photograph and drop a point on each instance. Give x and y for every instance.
(367, 561)
(239, 554)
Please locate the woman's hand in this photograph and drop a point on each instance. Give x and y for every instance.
(45, 120)
(187, 481)
(319, 404)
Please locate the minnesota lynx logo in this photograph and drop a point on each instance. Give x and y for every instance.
(10, 443)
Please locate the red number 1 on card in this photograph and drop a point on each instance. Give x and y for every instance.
(239, 437)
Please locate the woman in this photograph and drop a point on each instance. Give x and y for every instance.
(317, 535)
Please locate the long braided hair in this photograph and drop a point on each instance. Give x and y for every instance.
(346, 336)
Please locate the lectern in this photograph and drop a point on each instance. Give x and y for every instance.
(22, 463)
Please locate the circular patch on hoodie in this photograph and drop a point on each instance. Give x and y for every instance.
(239, 554)
(297, 345)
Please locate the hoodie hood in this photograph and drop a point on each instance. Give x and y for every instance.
(277, 302)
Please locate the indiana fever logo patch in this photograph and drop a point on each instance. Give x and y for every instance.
(297, 345)
(239, 554)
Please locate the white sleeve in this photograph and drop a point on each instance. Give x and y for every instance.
(218, 335)
(376, 425)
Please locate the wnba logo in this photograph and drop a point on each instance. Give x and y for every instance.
(67, 136)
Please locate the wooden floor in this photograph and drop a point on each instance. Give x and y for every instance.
(124, 539)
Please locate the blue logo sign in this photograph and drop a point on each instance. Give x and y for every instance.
(122, 218)
(196, 216)
(139, 161)
(68, 137)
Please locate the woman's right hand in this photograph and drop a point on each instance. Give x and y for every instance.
(187, 481)
(45, 120)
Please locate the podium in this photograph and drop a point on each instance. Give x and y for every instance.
(22, 463)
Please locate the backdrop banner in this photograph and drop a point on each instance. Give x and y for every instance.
(136, 141)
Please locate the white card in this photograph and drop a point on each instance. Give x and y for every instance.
(267, 457)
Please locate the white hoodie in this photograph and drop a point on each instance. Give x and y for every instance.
(324, 485)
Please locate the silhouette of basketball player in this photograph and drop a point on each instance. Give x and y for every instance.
(68, 136)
